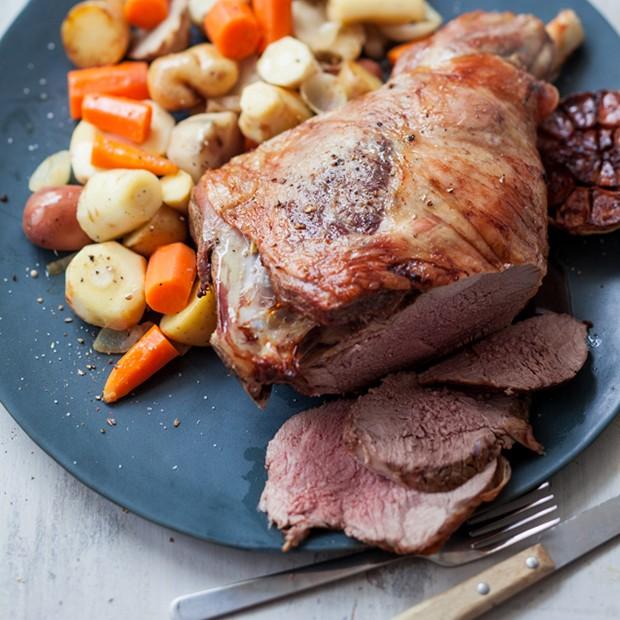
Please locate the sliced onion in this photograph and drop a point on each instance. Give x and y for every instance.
(323, 92)
(112, 342)
(403, 33)
(57, 267)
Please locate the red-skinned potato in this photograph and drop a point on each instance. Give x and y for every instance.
(50, 221)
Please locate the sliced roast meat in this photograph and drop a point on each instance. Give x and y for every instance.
(534, 354)
(433, 439)
(314, 482)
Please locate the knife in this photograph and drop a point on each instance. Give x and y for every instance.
(555, 549)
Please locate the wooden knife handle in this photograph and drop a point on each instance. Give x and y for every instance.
(481, 593)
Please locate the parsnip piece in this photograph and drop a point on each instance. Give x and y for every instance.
(194, 325)
(165, 227)
(327, 39)
(268, 110)
(162, 125)
(115, 202)
(205, 141)
(402, 33)
(176, 190)
(53, 171)
(81, 150)
(227, 103)
(566, 31)
(356, 80)
(323, 92)
(383, 12)
(105, 285)
(287, 62)
(94, 34)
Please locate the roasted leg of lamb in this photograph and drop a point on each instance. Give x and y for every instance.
(393, 230)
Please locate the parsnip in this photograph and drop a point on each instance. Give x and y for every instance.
(268, 110)
(383, 12)
(166, 226)
(287, 62)
(325, 38)
(94, 33)
(176, 190)
(105, 285)
(194, 325)
(115, 202)
(198, 10)
(162, 125)
(53, 171)
(81, 150)
(356, 80)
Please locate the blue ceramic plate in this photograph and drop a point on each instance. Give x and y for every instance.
(204, 478)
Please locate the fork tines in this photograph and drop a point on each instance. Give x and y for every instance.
(499, 527)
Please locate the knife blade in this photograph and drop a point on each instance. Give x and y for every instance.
(556, 548)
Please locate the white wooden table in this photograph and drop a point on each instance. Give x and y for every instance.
(66, 553)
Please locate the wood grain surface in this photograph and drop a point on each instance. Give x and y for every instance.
(68, 554)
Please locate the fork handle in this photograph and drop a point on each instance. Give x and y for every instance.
(471, 598)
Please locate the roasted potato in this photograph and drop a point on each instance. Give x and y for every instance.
(104, 285)
(268, 110)
(194, 325)
(287, 62)
(81, 149)
(176, 190)
(171, 36)
(50, 219)
(54, 171)
(116, 202)
(166, 226)
(182, 81)
(205, 141)
(383, 12)
(95, 33)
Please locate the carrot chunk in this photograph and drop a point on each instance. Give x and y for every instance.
(147, 14)
(275, 18)
(110, 153)
(125, 80)
(170, 277)
(232, 27)
(118, 115)
(151, 353)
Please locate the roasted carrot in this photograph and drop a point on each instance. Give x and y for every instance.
(110, 153)
(232, 27)
(396, 52)
(275, 18)
(151, 353)
(125, 80)
(121, 116)
(170, 276)
(147, 14)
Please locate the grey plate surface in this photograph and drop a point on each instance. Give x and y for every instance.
(204, 478)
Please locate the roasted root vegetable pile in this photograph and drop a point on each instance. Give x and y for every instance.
(118, 197)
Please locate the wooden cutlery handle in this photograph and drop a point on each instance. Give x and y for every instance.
(481, 593)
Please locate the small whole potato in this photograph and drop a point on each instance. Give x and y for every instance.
(50, 219)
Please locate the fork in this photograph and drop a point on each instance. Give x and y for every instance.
(488, 531)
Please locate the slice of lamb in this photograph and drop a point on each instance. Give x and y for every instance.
(314, 482)
(433, 440)
(534, 354)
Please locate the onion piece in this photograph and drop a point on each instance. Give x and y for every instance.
(403, 33)
(323, 92)
(112, 342)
